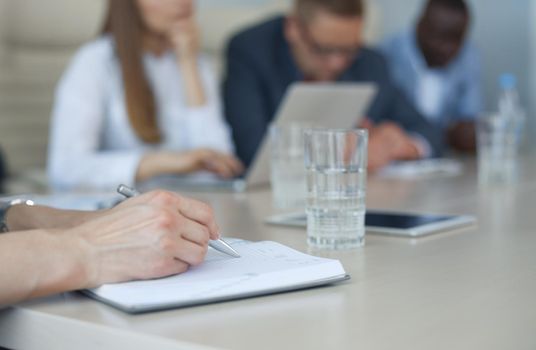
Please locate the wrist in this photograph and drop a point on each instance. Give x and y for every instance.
(84, 266)
(12, 216)
(183, 162)
(190, 161)
(162, 163)
(188, 57)
(60, 263)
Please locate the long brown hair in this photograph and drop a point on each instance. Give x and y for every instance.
(124, 23)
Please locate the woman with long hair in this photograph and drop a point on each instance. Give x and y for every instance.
(138, 102)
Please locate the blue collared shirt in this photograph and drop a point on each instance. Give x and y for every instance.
(458, 95)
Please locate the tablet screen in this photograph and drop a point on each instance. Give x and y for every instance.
(401, 221)
(387, 220)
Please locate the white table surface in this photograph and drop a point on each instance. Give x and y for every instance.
(473, 288)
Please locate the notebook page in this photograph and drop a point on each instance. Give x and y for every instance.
(262, 266)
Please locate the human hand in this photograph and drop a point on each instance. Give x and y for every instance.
(150, 236)
(158, 163)
(185, 37)
(221, 164)
(461, 136)
(387, 143)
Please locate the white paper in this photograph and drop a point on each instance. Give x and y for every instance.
(262, 266)
(422, 168)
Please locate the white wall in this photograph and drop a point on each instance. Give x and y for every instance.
(532, 66)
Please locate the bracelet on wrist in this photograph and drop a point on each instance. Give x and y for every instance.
(4, 208)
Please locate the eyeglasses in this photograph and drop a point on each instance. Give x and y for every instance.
(325, 51)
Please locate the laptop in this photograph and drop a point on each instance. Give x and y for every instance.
(330, 105)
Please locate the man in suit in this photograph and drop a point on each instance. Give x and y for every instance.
(439, 70)
(320, 41)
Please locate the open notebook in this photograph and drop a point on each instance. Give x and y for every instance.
(264, 268)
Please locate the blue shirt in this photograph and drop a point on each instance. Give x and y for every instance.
(459, 94)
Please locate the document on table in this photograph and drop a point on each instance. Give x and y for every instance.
(73, 201)
(264, 268)
(422, 168)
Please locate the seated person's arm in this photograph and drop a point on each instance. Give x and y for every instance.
(416, 127)
(78, 120)
(76, 157)
(184, 37)
(388, 142)
(158, 163)
(461, 135)
(397, 130)
(150, 236)
(211, 143)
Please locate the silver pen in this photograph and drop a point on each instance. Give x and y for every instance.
(220, 245)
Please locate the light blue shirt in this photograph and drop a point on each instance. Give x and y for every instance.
(457, 91)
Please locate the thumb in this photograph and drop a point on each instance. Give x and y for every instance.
(366, 123)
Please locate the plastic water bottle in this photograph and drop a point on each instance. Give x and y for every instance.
(499, 137)
(510, 108)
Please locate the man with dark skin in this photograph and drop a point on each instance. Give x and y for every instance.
(439, 70)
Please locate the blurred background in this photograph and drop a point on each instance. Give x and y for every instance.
(38, 37)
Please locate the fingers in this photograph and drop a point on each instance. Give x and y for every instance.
(178, 238)
(195, 233)
(378, 155)
(239, 167)
(223, 165)
(366, 124)
(169, 267)
(201, 213)
(147, 240)
(191, 253)
(218, 167)
(184, 35)
(234, 164)
(188, 208)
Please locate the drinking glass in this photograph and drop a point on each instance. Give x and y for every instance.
(336, 169)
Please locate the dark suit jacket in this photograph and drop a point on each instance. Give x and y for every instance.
(260, 68)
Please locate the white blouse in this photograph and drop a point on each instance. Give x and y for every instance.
(92, 144)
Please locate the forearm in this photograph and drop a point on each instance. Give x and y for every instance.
(72, 170)
(161, 163)
(23, 217)
(193, 84)
(39, 263)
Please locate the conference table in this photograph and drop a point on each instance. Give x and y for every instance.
(470, 288)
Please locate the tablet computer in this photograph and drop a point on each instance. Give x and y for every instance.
(391, 223)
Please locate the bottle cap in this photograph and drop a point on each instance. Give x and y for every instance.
(508, 81)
